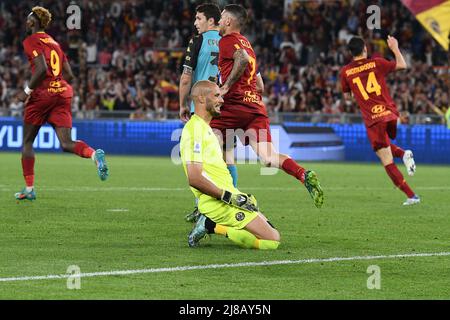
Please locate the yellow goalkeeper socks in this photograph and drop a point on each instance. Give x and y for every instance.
(266, 244)
(220, 229)
(245, 239)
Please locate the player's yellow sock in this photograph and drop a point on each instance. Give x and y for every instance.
(266, 244)
(245, 239)
(220, 229)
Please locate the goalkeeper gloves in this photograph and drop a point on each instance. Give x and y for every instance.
(241, 200)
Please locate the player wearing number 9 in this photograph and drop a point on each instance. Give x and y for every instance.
(365, 78)
(48, 98)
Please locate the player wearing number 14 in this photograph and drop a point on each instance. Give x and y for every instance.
(47, 98)
(365, 78)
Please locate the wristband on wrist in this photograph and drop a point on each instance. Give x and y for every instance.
(27, 90)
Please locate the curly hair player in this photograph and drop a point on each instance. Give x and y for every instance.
(48, 98)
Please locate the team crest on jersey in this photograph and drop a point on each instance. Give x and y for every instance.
(240, 216)
(245, 43)
(378, 108)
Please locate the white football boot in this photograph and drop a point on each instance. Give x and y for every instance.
(408, 160)
(410, 201)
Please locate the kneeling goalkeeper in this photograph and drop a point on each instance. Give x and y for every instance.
(224, 209)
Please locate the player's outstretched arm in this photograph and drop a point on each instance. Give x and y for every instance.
(393, 45)
(67, 72)
(241, 59)
(184, 89)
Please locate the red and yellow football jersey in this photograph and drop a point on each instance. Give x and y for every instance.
(41, 43)
(243, 92)
(366, 79)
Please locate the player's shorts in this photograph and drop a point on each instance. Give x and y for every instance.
(244, 125)
(225, 214)
(55, 110)
(380, 134)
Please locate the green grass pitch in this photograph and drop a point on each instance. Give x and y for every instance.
(135, 221)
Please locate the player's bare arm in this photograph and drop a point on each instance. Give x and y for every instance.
(37, 77)
(259, 83)
(199, 182)
(67, 72)
(241, 60)
(184, 89)
(393, 45)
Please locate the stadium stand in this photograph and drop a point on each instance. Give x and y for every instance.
(127, 56)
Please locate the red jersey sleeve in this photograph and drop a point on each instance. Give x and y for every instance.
(385, 66)
(32, 47)
(344, 83)
(228, 45)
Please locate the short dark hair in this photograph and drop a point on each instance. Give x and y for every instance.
(356, 46)
(239, 12)
(210, 10)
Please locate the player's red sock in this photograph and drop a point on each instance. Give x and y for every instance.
(397, 152)
(294, 169)
(397, 177)
(82, 149)
(28, 171)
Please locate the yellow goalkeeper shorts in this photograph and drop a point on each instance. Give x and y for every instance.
(225, 214)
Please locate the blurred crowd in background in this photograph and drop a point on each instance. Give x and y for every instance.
(128, 54)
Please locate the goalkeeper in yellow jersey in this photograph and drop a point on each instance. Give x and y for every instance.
(224, 209)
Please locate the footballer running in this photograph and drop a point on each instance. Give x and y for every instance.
(48, 98)
(243, 108)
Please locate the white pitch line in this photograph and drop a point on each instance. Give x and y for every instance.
(118, 210)
(222, 266)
